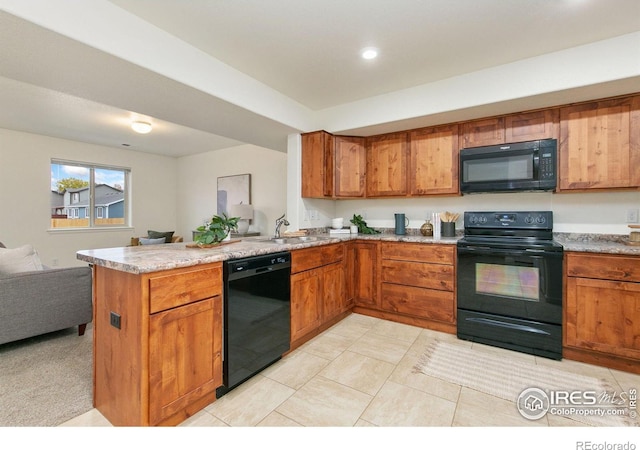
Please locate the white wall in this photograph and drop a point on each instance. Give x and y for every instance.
(596, 212)
(25, 174)
(198, 177)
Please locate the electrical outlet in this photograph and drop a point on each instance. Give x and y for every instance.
(313, 214)
(632, 216)
(114, 319)
(54, 262)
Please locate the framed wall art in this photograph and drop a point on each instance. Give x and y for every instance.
(233, 190)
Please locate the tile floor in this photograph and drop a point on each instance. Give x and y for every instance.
(359, 373)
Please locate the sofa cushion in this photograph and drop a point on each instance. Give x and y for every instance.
(158, 234)
(21, 259)
(148, 241)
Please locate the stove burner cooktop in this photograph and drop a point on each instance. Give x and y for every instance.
(514, 229)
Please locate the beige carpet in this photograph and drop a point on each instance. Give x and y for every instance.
(482, 370)
(46, 380)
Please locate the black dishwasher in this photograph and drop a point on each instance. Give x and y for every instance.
(257, 315)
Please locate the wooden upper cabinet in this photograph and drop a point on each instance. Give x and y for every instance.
(433, 167)
(521, 127)
(333, 166)
(350, 166)
(479, 133)
(317, 165)
(387, 165)
(600, 145)
(531, 126)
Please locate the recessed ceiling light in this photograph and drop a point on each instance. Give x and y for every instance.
(369, 53)
(141, 127)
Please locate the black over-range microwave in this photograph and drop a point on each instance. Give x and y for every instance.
(523, 166)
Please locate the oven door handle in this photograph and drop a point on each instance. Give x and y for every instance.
(512, 326)
(530, 252)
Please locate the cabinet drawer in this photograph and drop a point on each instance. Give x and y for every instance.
(433, 276)
(425, 303)
(586, 265)
(171, 290)
(309, 258)
(440, 254)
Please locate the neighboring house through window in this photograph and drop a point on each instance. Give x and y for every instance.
(88, 195)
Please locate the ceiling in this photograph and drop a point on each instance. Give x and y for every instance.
(222, 73)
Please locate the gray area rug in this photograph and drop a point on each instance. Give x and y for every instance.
(46, 380)
(487, 372)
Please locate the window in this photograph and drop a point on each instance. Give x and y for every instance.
(88, 195)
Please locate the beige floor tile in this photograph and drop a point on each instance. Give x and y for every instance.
(362, 319)
(275, 419)
(354, 326)
(323, 402)
(559, 421)
(380, 347)
(395, 330)
(626, 380)
(398, 405)
(295, 369)
(477, 409)
(405, 374)
(92, 418)
(363, 423)
(328, 345)
(203, 419)
(358, 371)
(250, 402)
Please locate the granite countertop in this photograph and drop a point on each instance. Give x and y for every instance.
(597, 243)
(153, 258)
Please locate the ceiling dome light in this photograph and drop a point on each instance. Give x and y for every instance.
(141, 127)
(369, 53)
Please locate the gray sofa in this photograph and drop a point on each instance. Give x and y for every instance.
(39, 302)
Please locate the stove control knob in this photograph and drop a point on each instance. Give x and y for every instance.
(540, 219)
(528, 220)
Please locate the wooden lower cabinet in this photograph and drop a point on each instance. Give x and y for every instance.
(318, 290)
(184, 357)
(416, 285)
(363, 273)
(164, 362)
(602, 310)
(306, 302)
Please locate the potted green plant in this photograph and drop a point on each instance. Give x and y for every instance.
(362, 225)
(215, 230)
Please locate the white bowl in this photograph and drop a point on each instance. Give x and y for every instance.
(337, 223)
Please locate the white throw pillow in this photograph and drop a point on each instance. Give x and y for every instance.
(147, 241)
(21, 259)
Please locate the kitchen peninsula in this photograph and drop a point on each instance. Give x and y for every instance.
(158, 309)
